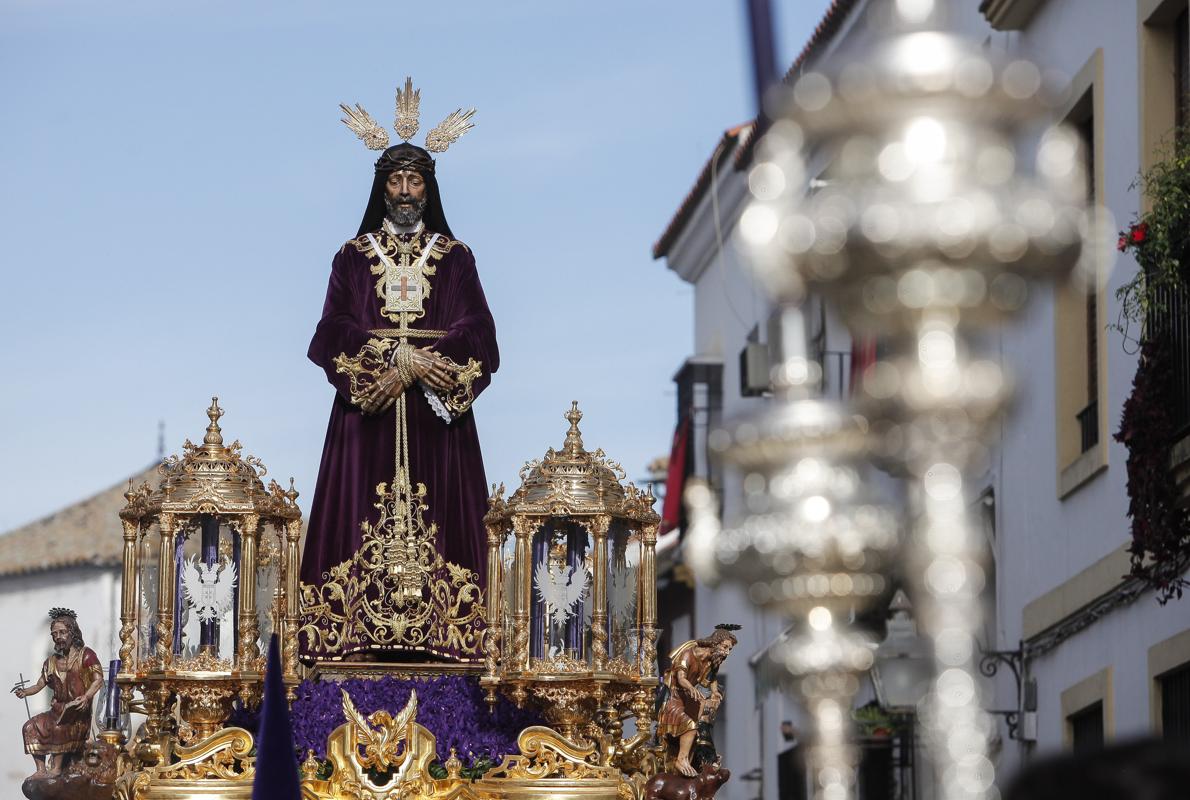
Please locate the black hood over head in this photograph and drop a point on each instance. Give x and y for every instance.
(398, 157)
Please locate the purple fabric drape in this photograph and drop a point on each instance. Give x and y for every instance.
(538, 631)
(576, 546)
(209, 630)
(359, 452)
(179, 601)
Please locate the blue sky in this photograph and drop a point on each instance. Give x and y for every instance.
(176, 179)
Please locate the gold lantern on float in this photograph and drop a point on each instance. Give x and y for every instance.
(210, 573)
(572, 592)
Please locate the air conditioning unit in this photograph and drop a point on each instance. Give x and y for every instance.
(754, 370)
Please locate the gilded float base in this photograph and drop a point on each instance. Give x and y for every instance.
(402, 751)
(551, 789)
(219, 766)
(198, 790)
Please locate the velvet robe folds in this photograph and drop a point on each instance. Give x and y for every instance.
(359, 453)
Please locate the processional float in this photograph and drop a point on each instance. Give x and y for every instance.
(568, 627)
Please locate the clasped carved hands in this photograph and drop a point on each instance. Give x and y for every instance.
(427, 366)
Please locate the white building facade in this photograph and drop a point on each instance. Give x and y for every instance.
(1098, 658)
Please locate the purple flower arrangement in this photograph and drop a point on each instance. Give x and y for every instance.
(451, 707)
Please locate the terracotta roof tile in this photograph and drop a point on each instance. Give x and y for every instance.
(686, 209)
(87, 533)
(831, 21)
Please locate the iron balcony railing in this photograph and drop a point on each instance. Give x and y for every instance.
(1170, 318)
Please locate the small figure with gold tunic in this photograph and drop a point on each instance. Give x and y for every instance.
(694, 666)
(75, 676)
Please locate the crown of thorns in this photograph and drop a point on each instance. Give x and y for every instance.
(59, 613)
(728, 626)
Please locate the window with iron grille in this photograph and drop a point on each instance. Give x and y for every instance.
(1086, 729)
(1175, 704)
(1088, 418)
(1171, 318)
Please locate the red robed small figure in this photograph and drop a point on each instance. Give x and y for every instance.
(75, 676)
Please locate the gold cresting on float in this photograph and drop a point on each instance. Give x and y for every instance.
(210, 572)
(396, 592)
(382, 757)
(572, 597)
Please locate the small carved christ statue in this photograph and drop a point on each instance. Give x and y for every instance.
(74, 675)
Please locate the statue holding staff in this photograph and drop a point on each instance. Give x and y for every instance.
(75, 676)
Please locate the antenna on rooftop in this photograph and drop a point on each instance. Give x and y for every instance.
(160, 439)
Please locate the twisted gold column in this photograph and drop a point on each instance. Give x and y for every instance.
(166, 591)
(128, 597)
(289, 631)
(599, 528)
(647, 594)
(522, 527)
(248, 651)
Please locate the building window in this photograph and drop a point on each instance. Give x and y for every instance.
(700, 397)
(1181, 75)
(1080, 355)
(1175, 704)
(875, 778)
(1088, 418)
(791, 774)
(1086, 729)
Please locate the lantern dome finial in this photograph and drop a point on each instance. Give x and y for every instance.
(574, 437)
(214, 436)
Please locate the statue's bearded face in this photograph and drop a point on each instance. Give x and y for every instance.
(62, 635)
(405, 197)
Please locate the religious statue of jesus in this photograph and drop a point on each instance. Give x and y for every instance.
(408, 342)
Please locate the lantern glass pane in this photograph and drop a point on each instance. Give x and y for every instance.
(623, 564)
(509, 593)
(268, 583)
(146, 601)
(561, 585)
(208, 578)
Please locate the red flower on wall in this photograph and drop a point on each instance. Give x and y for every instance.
(1140, 232)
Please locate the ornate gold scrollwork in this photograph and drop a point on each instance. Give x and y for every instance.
(374, 757)
(384, 747)
(362, 368)
(396, 592)
(225, 755)
(459, 399)
(547, 754)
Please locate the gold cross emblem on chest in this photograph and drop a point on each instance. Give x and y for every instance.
(404, 271)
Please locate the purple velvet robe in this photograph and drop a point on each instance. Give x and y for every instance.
(359, 452)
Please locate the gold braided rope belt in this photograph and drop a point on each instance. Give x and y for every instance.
(412, 333)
